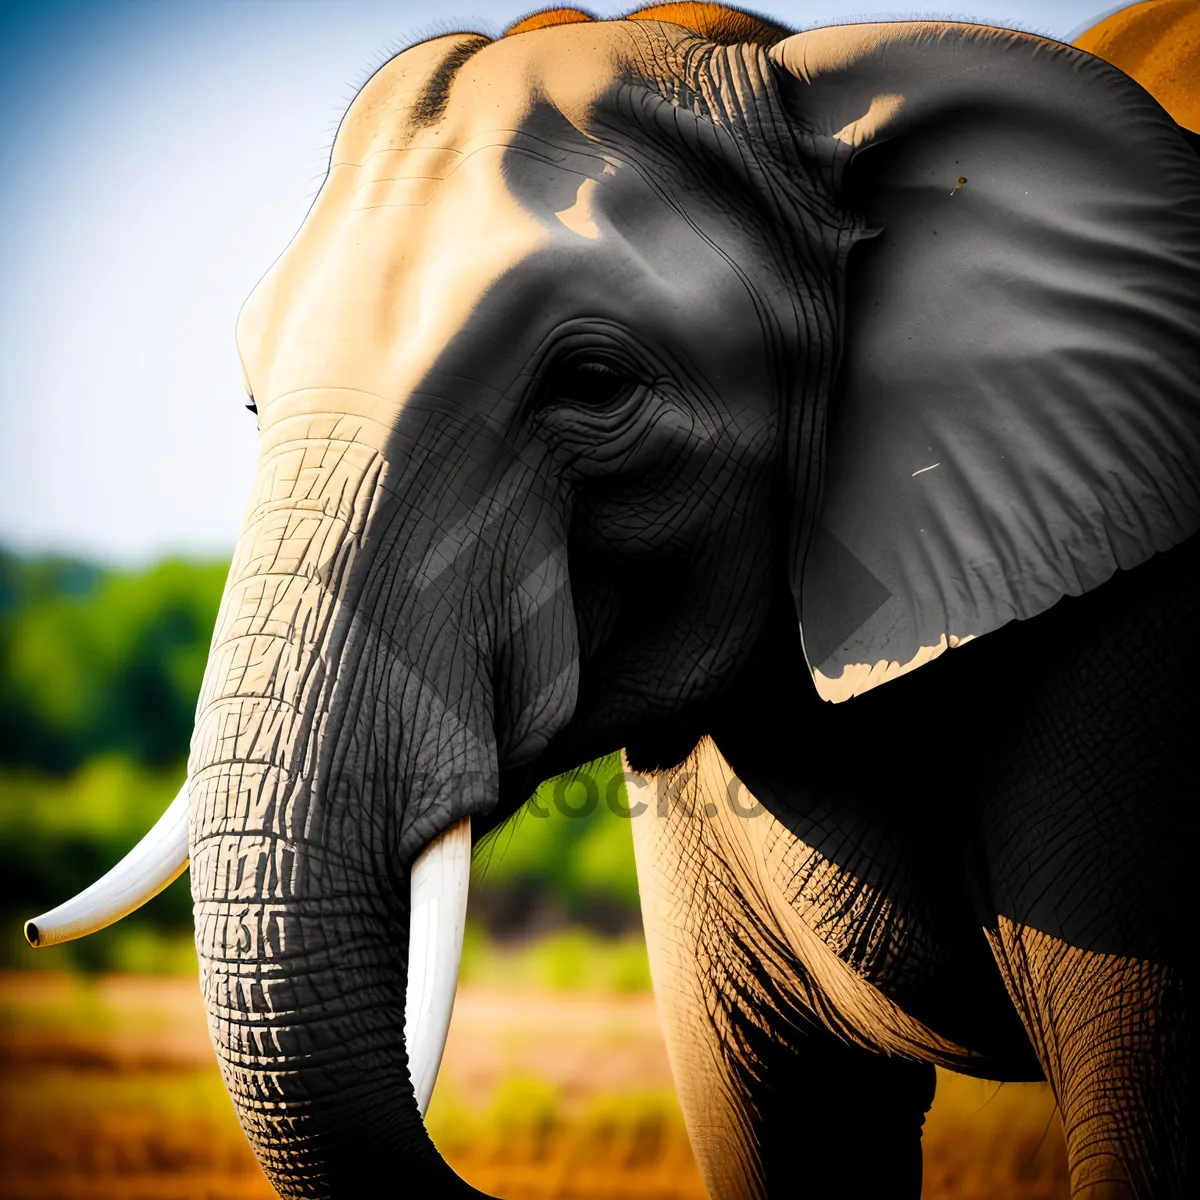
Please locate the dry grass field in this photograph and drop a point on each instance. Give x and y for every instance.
(108, 1092)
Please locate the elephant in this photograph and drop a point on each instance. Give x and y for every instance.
(813, 417)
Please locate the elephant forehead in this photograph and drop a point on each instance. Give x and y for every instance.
(484, 249)
(408, 196)
(502, 216)
(536, 169)
(395, 261)
(451, 89)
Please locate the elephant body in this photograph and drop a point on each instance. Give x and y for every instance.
(988, 888)
(816, 417)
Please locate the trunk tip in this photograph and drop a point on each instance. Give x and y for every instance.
(32, 936)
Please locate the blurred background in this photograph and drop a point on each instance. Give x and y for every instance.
(158, 157)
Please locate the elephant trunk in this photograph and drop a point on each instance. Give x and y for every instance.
(302, 858)
(315, 1065)
(304, 1000)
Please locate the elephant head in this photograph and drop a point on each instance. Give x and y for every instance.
(607, 351)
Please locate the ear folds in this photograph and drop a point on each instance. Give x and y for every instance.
(1017, 412)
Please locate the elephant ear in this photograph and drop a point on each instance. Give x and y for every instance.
(1017, 409)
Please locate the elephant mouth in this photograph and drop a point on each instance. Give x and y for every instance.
(439, 879)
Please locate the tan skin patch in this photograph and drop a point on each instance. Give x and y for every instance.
(716, 22)
(725, 26)
(1158, 44)
(543, 20)
(579, 218)
(857, 678)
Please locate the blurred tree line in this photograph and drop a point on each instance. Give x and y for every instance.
(99, 673)
(96, 662)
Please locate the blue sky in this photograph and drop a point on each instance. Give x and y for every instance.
(157, 157)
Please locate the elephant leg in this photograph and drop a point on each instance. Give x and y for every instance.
(776, 1103)
(1088, 837)
(1112, 1035)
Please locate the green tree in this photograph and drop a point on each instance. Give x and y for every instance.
(95, 661)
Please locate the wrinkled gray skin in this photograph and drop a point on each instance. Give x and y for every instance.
(472, 561)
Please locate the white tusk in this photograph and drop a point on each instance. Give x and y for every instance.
(157, 860)
(435, 936)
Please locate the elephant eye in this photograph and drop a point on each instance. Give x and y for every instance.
(252, 406)
(590, 384)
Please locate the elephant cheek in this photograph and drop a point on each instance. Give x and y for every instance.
(537, 661)
(546, 714)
